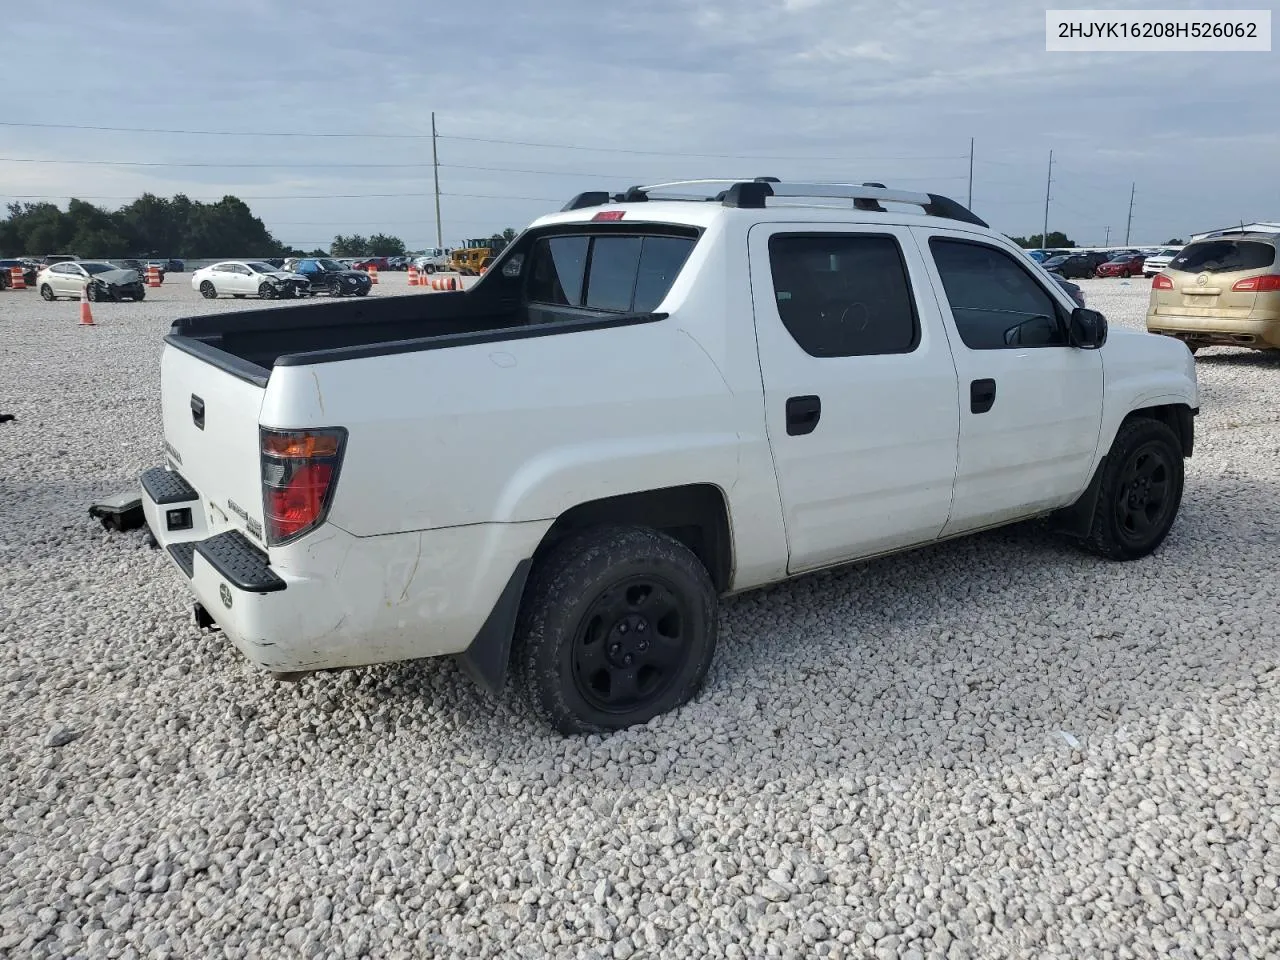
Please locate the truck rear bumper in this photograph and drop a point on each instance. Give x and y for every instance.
(331, 599)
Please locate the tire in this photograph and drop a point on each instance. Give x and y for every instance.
(93, 293)
(430, 269)
(335, 289)
(588, 612)
(142, 295)
(363, 291)
(46, 291)
(1129, 522)
(266, 291)
(208, 291)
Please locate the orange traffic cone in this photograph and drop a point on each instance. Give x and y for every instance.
(413, 276)
(373, 273)
(86, 314)
(16, 280)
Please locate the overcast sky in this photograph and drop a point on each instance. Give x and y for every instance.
(818, 89)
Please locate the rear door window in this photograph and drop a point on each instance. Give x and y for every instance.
(614, 273)
(1224, 256)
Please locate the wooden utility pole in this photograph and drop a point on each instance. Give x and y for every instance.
(1130, 223)
(970, 173)
(1044, 237)
(435, 166)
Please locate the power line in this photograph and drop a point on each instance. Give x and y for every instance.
(288, 196)
(426, 136)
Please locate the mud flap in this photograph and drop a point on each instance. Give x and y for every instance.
(1077, 519)
(485, 661)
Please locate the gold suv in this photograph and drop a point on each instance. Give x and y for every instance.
(1220, 291)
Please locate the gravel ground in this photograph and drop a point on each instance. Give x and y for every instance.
(997, 747)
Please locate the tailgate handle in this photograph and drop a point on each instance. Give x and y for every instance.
(197, 411)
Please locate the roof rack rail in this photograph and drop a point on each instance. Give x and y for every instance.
(752, 194)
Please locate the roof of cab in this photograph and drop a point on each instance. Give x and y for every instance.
(700, 203)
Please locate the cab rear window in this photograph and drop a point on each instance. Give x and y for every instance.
(1224, 256)
(615, 273)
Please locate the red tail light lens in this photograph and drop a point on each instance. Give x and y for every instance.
(299, 474)
(1267, 284)
(1161, 282)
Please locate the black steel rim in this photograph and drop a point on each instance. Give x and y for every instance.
(1145, 495)
(631, 644)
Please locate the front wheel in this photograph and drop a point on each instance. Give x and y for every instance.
(46, 291)
(362, 292)
(266, 291)
(208, 291)
(617, 626)
(1140, 492)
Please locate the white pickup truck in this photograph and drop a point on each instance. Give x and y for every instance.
(651, 400)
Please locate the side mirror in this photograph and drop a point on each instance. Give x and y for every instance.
(1088, 328)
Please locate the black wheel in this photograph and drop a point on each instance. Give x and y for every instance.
(617, 625)
(1140, 492)
(140, 296)
(208, 291)
(362, 292)
(266, 291)
(46, 291)
(429, 268)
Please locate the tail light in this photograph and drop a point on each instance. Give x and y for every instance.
(1161, 282)
(299, 475)
(1269, 283)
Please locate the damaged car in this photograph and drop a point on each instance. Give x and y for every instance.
(248, 278)
(96, 278)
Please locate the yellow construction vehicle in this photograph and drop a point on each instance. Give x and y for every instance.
(468, 259)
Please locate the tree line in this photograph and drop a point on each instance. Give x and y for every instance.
(154, 226)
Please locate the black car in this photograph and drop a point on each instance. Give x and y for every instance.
(331, 276)
(141, 267)
(1073, 290)
(29, 271)
(1071, 266)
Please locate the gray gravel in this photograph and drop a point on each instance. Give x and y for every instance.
(998, 747)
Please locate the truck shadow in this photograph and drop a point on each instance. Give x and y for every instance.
(951, 655)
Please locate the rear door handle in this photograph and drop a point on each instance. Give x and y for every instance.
(982, 395)
(803, 414)
(197, 411)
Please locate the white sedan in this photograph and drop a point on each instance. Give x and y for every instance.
(248, 278)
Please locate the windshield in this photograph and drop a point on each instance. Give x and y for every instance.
(331, 264)
(98, 267)
(1224, 256)
(258, 267)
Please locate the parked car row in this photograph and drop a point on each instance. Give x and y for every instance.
(33, 267)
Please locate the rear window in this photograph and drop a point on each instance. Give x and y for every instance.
(1224, 256)
(613, 273)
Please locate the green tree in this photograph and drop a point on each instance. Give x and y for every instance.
(381, 245)
(1175, 242)
(352, 246)
(1056, 240)
(509, 234)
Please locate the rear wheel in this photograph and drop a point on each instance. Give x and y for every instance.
(1140, 492)
(617, 625)
(46, 291)
(208, 291)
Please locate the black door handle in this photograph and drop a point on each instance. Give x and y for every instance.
(982, 395)
(197, 411)
(803, 414)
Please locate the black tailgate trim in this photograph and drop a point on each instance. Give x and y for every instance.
(184, 555)
(167, 486)
(239, 562)
(241, 369)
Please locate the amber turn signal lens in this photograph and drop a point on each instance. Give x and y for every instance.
(300, 445)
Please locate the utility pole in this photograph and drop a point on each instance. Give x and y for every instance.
(1130, 223)
(1044, 237)
(970, 173)
(1107, 242)
(435, 165)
